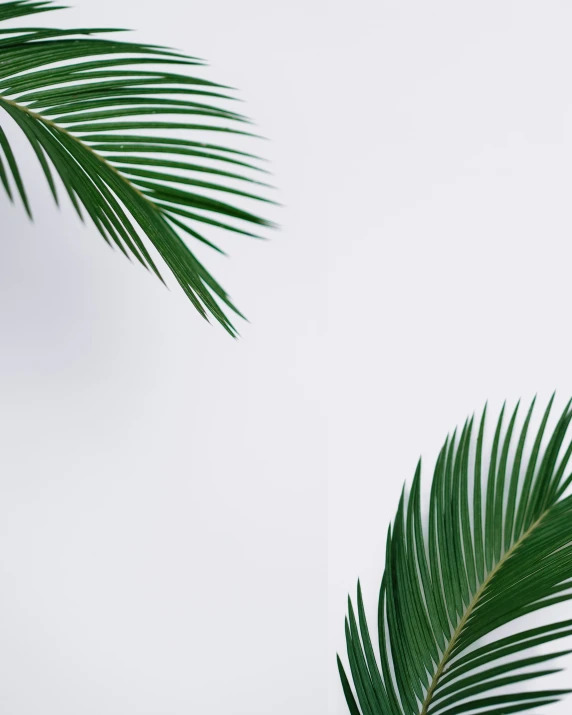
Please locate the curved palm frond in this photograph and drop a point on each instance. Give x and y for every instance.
(90, 108)
(498, 546)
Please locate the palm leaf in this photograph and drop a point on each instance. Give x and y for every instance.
(497, 546)
(128, 137)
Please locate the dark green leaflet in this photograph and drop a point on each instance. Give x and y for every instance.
(82, 96)
(485, 561)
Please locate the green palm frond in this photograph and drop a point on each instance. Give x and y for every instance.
(98, 113)
(497, 546)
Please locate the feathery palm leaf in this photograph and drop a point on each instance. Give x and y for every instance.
(498, 546)
(90, 108)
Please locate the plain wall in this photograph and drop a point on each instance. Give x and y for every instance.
(163, 502)
(182, 515)
(450, 250)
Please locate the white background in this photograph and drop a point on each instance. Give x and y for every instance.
(163, 536)
(449, 240)
(163, 532)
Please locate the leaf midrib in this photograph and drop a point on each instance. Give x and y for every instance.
(49, 122)
(471, 607)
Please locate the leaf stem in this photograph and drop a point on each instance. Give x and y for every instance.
(463, 622)
(76, 139)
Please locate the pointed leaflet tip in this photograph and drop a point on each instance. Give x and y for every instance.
(90, 180)
(480, 616)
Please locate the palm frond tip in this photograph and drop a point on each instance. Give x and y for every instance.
(497, 546)
(91, 109)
